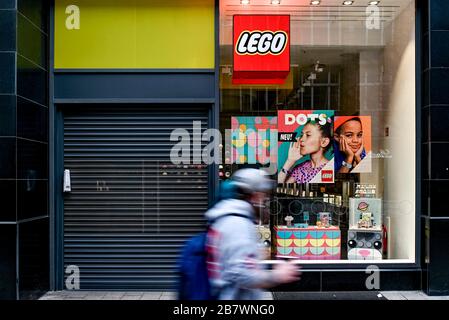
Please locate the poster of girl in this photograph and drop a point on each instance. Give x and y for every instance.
(352, 144)
(305, 153)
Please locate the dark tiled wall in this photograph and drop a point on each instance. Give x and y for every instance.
(435, 164)
(8, 262)
(8, 140)
(33, 258)
(24, 148)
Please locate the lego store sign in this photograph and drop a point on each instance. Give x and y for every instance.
(261, 49)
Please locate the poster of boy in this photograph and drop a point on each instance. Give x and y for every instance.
(352, 144)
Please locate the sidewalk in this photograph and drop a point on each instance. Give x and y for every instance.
(129, 295)
(115, 295)
(410, 295)
(108, 295)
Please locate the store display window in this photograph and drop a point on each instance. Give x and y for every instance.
(325, 94)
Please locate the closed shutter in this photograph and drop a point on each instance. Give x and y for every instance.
(130, 209)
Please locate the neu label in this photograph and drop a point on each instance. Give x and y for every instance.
(327, 175)
(265, 42)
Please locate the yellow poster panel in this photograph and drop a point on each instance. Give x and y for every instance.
(128, 34)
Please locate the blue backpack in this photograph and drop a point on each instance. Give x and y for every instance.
(193, 280)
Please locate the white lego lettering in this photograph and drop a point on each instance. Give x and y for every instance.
(265, 42)
(279, 42)
(252, 42)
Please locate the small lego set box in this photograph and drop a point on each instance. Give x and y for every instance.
(365, 213)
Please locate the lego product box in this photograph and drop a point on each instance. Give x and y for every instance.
(365, 245)
(365, 214)
(311, 243)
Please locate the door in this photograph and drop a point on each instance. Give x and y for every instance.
(129, 209)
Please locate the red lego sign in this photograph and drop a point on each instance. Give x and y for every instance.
(261, 49)
(327, 176)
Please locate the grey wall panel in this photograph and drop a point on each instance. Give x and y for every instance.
(133, 86)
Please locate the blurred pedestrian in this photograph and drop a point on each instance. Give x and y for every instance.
(233, 250)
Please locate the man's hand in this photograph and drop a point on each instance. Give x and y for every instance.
(286, 272)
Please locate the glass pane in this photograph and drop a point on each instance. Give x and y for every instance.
(350, 193)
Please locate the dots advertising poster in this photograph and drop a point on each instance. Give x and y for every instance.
(305, 146)
(251, 139)
(352, 144)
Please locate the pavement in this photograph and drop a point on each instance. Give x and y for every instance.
(410, 295)
(165, 295)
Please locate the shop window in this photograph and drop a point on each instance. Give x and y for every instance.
(345, 118)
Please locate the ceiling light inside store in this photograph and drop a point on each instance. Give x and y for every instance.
(275, 2)
(315, 2)
(348, 3)
(374, 3)
(244, 2)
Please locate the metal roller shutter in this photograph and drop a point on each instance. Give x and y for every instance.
(130, 209)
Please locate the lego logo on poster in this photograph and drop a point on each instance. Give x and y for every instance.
(327, 175)
(261, 46)
(261, 42)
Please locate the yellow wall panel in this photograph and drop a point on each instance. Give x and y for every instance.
(136, 34)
